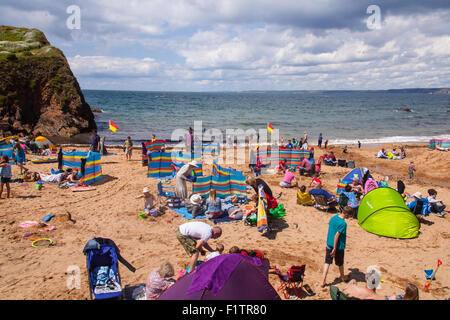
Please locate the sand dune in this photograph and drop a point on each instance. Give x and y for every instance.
(111, 211)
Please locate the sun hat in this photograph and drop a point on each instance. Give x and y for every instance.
(418, 195)
(196, 199)
(146, 189)
(193, 163)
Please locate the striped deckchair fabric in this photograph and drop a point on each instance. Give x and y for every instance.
(88, 163)
(273, 157)
(162, 165)
(433, 143)
(153, 146)
(224, 185)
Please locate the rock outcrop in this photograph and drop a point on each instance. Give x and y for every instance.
(39, 95)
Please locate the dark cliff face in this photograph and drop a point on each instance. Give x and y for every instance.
(39, 94)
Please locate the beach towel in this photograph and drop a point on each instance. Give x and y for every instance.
(261, 222)
(186, 215)
(225, 219)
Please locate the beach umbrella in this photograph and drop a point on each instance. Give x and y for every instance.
(42, 141)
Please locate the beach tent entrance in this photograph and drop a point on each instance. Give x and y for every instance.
(225, 277)
(383, 212)
(355, 173)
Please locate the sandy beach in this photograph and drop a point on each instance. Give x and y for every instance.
(111, 211)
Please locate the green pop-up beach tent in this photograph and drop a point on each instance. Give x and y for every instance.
(383, 211)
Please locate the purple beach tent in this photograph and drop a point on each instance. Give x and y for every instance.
(225, 277)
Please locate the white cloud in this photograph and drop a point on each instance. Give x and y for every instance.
(114, 66)
(247, 44)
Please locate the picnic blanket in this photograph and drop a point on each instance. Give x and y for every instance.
(188, 216)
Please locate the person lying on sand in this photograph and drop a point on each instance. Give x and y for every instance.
(218, 252)
(440, 148)
(411, 293)
(368, 292)
(57, 178)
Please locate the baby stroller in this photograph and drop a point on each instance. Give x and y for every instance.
(102, 262)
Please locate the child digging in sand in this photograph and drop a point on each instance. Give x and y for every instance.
(218, 252)
(148, 199)
(5, 174)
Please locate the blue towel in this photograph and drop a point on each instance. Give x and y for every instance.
(188, 216)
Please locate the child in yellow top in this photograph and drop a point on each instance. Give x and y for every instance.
(303, 197)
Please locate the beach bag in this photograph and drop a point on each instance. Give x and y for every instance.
(350, 164)
(174, 202)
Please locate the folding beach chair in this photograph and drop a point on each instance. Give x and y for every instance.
(322, 203)
(163, 192)
(293, 279)
(343, 201)
(337, 294)
(342, 163)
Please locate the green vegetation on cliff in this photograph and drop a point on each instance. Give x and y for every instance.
(38, 92)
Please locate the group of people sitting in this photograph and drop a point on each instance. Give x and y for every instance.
(214, 207)
(425, 206)
(308, 166)
(395, 154)
(352, 194)
(301, 143)
(330, 159)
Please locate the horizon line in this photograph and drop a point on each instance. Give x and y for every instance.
(287, 90)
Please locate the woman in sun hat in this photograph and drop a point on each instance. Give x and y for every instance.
(183, 175)
(195, 205)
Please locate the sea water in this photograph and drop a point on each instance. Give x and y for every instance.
(343, 117)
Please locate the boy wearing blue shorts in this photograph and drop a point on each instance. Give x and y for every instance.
(336, 240)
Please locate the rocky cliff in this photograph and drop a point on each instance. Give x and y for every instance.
(39, 94)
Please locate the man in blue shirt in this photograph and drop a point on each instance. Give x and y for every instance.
(336, 241)
(289, 145)
(95, 141)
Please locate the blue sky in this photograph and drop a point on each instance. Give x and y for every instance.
(222, 45)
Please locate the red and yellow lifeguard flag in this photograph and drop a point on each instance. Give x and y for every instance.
(269, 127)
(112, 126)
